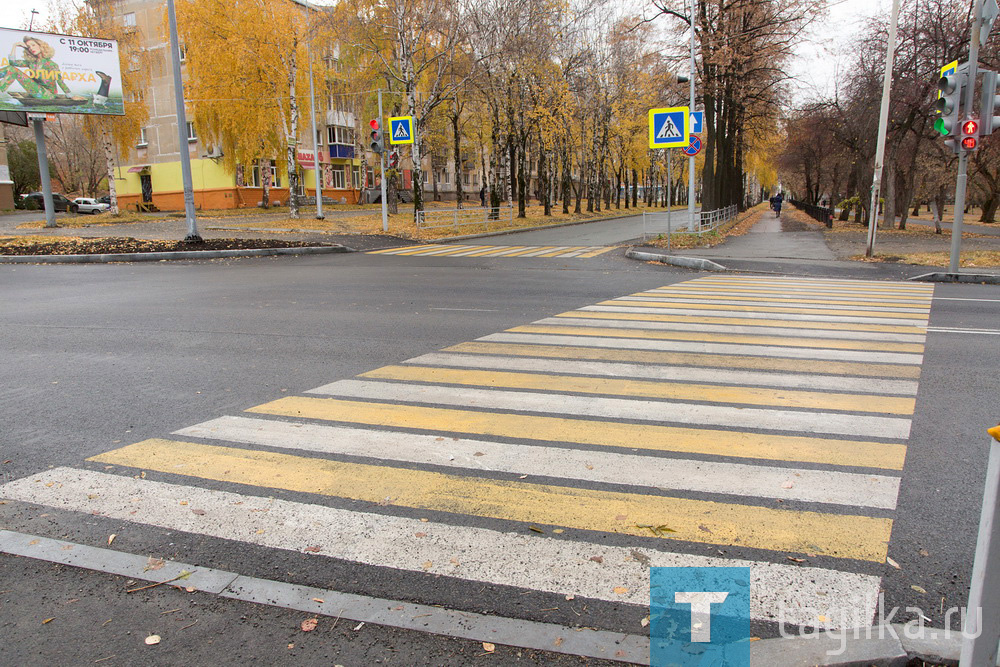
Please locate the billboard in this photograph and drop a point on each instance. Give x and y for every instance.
(43, 72)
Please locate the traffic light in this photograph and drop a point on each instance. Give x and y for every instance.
(989, 104)
(377, 144)
(393, 159)
(970, 134)
(949, 104)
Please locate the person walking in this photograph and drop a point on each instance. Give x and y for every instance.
(776, 204)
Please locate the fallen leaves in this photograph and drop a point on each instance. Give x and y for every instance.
(620, 590)
(919, 589)
(644, 622)
(111, 538)
(152, 640)
(48, 620)
(597, 559)
(535, 529)
(892, 562)
(309, 624)
(420, 534)
(198, 512)
(488, 647)
(427, 565)
(315, 549)
(656, 530)
(153, 564)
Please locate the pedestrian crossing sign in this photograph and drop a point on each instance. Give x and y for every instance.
(401, 130)
(669, 127)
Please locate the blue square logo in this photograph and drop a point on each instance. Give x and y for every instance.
(696, 612)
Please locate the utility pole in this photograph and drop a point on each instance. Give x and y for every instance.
(182, 140)
(691, 223)
(381, 158)
(883, 120)
(312, 113)
(963, 155)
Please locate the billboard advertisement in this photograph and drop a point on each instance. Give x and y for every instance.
(43, 72)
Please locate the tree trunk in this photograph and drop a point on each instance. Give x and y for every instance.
(292, 136)
(109, 159)
(889, 208)
(265, 183)
(459, 171)
(635, 190)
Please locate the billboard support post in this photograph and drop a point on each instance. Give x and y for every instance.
(43, 172)
(182, 142)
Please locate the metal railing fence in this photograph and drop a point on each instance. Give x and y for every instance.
(456, 218)
(824, 215)
(672, 222)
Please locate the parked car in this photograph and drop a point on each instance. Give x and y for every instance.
(106, 199)
(59, 203)
(86, 205)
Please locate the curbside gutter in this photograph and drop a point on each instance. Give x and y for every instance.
(159, 256)
(941, 277)
(688, 262)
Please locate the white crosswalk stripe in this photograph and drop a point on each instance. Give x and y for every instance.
(458, 250)
(768, 416)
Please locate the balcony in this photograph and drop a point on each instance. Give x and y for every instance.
(341, 151)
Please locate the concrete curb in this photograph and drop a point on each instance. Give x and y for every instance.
(158, 256)
(940, 277)
(688, 262)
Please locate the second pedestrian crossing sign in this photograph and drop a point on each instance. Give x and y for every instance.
(669, 127)
(401, 130)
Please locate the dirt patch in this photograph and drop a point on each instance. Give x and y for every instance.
(33, 245)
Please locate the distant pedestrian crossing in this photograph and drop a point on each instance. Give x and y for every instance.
(453, 250)
(720, 421)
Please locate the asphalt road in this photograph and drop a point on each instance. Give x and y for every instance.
(99, 358)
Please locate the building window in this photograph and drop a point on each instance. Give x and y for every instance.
(192, 136)
(338, 178)
(134, 62)
(130, 20)
(340, 135)
(255, 180)
(427, 177)
(142, 137)
(466, 178)
(445, 177)
(181, 52)
(356, 177)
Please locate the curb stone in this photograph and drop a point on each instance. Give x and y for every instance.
(158, 256)
(688, 262)
(943, 277)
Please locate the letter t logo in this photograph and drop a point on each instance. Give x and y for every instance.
(701, 611)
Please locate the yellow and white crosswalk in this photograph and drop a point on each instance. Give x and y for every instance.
(720, 421)
(454, 250)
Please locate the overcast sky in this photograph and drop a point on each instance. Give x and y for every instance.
(815, 68)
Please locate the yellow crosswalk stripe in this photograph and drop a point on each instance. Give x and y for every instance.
(692, 359)
(595, 253)
(557, 253)
(651, 389)
(721, 290)
(678, 293)
(494, 250)
(707, 522)
(530, 249)
(706, 441)
(743, 321)
(858, 312)
(459, 249)
(386, 251)
(783, 341)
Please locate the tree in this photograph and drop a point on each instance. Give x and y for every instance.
(22, 156)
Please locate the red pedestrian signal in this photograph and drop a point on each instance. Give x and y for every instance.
(970, 127)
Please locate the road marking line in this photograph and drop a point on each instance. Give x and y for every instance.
(678, 391)
(770, 281)
(559, 253)
(788, 293)
(387, 251)
(544, 249)
(620, 408)
(529, 251)
(445, 250)
(712, 311)
(560, 566)
(856, 537)
(577, 366)
(430, 249)
(736, 479)
(592, 312)
(586, 320)
(654, 437)
(713, 348)
(805, 310)
(984, 332)
(691, 359)
(799, 306)
(773, 298)
(597, 252)
(954, 298)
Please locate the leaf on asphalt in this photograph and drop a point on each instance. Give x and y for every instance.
(359, 626)
(620, 517)
(620, 654)
(420, 534)
(111, 538)
(570, 597)
(644, 622)
(588, 466)
(479, 454)
(558, 530)
(488, 647)
(597, 559)
(48, 620)
(705, 529)
(454, 561)
(32, 543)
(291, 646)
(427, 565)
(535, 529)
(892, 562)
(198, 512)
(918, 589)
(153, 564)
(787, 485)
(639, 556)
(558, 641)
(620, 590)
(313, 549)
(796, 560)
(923, 552)
(385, 501)
(153, 639)
(320, 600)
(424, 520)
(309, 624)
(523, 477)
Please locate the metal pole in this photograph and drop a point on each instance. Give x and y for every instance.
(981, 630)
(381, 159)
(883, 119)
(670, 192)
(963, 157)
(43, 172)
(691, 108)
(312, 111)
(182, 142)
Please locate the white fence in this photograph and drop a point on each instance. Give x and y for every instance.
(457, 218)
(677, 221)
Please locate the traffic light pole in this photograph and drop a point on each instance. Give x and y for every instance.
(963, 154)
(691, 222)
(381, 159)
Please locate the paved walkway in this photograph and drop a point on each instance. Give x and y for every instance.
(771, 238)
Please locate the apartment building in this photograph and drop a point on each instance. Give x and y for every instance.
(151, 173)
